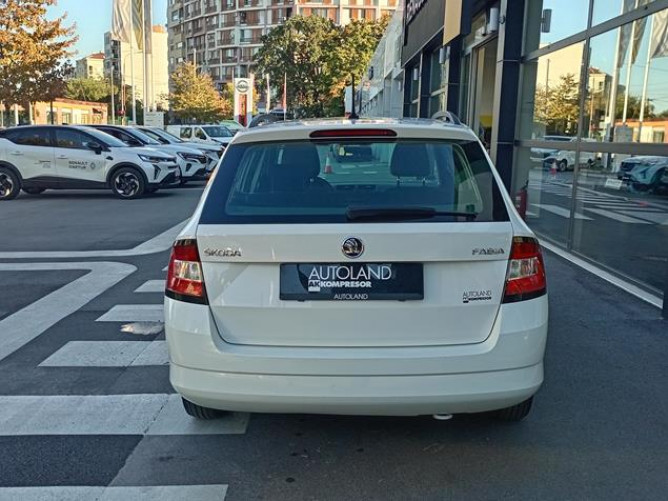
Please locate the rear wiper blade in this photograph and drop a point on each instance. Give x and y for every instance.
(394, 213)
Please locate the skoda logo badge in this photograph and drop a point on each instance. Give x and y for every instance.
(352, 247)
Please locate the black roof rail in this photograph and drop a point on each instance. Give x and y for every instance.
(447, 117)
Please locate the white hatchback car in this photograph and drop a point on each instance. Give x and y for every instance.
(370, 267)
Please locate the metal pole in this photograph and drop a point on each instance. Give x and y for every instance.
(645, 82)
(629, 64)
(144, 65)
(113, 97)
(132, 80)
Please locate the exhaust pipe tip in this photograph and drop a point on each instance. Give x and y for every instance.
(442, 417)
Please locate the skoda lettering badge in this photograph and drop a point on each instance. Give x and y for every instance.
(352, 247)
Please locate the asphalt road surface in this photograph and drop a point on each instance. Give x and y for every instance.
(87, 412)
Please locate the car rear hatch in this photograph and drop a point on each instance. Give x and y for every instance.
(354, 262)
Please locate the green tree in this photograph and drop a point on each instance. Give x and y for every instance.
(33, 51)
(317, 58)
(195, 96)
(306, 52)
(632, 108)
(89, 89)
(558, 107)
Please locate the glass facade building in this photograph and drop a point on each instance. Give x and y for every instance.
(592, 150)
(570, 97)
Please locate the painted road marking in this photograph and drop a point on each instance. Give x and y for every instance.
(136, 414)
(655, 217)
(134, 313)
(152, 286)
(159, 243)
(213, 492)
(560, 211)
(617, 217)
(26, 324)
(109, 354)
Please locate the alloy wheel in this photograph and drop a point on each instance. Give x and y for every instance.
(6, 185)
(126, 184)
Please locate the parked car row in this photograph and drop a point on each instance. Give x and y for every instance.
(36, 158)
(131, 161)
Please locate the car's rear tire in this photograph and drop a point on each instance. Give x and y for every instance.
(10, 184)
(199, 412)
(33, 191)
(128, 183)
(516, 412)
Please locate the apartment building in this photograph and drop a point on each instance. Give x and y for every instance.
(91, 66)
(223, 36)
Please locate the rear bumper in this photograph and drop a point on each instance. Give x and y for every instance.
(503, 370)
(358, 395)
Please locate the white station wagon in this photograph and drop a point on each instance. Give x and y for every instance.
(372, 267)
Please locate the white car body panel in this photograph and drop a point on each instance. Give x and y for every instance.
(247, 350)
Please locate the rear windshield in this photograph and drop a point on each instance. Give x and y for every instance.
(217, 131)
(326, 182)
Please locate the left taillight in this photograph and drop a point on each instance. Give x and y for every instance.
(185, 281)
(526, 272)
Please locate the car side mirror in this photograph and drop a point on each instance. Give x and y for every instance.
(96, 147)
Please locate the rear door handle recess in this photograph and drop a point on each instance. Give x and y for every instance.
(16, 153)
(62, 157)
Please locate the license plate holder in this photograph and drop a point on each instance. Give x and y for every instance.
(351, 282)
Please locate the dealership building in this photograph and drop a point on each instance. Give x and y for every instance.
(570, 97)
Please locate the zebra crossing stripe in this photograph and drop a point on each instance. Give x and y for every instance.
(135, 414)
(213, 492)
(152, 286)
(561, 211)
(109, 354)
(133, 313)
(654, 217)
(617, 217)
(31, 321)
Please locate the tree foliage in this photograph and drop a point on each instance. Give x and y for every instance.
(195, 96)
(89, 89)
(558, 107)
(33, 50)
(318, 58)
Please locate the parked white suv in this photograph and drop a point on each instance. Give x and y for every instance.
(212, 134)
(565, 159)
(192, 162)
(213, 152)
(36, 158)
(366, 267)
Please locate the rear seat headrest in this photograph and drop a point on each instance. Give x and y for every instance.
(410, 160)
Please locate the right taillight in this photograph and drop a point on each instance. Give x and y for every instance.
(526, 272)
(185, 281)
